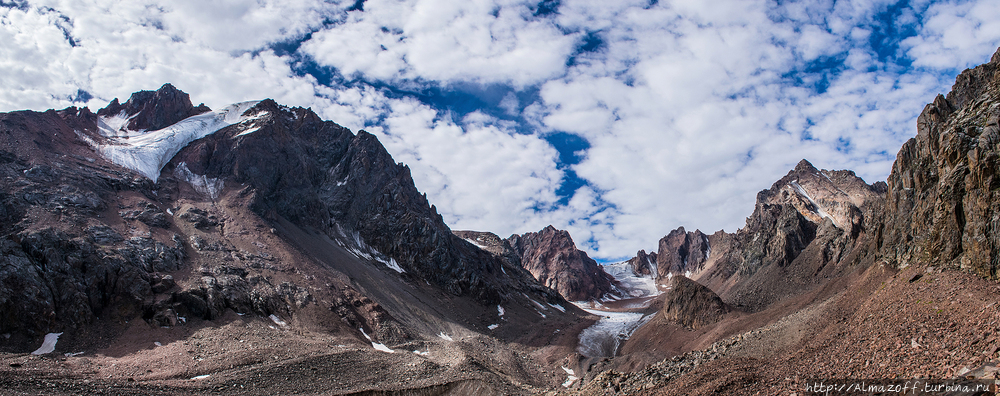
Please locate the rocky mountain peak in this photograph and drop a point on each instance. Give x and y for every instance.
(682, 252)
(551, 257)
(643, 264)
(820, 195)
(804, 166)
(153, 110)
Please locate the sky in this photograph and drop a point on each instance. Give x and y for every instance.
(616, 120)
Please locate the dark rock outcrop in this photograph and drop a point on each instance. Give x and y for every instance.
(825, 213)
(690, 304)
(153, 110)
(643, 264)
(551, 257)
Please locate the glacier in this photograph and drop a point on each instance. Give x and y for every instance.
(147, 152)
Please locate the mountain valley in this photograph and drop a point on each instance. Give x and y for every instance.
(158, 247)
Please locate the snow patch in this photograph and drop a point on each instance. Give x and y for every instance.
(199, 377)
(557, 306)
(247, 131)
(445, 336)
(819, 209)
(355, 244)
(377, 346)
(570, 378)
(48, 345)
(278, 321)
(493, 326)
(708, 246)
(474, 242)
(201, 183)
(68, 354)
(147, 151)
(538, 304)
(157, 343)
(422, 353)
(500, 310)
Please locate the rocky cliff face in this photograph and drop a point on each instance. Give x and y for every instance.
(643, 264)
(809, 223)
(943, 200)
(551, 257)
(682, 252)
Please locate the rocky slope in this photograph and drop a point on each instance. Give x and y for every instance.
(257, 213)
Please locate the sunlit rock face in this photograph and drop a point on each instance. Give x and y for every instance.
(943, 203)
(552, 257)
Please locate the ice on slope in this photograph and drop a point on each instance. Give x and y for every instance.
(201, 183)
(361, 250)
(603, 338)
(634, 285)
(48, 345)
(147, 151)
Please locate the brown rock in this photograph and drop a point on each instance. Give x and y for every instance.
(551, 257)
(692, 305)
(943, 190)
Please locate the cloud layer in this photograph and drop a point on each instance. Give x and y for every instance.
(618, 121)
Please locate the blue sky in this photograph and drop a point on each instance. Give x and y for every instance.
(618, 121)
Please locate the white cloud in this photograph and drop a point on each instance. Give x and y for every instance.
(481, 176)
(448, 41)
(956, 36)
(689, 108)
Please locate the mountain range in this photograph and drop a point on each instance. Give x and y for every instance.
(159, 247)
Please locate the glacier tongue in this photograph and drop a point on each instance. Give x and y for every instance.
(148, 152)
